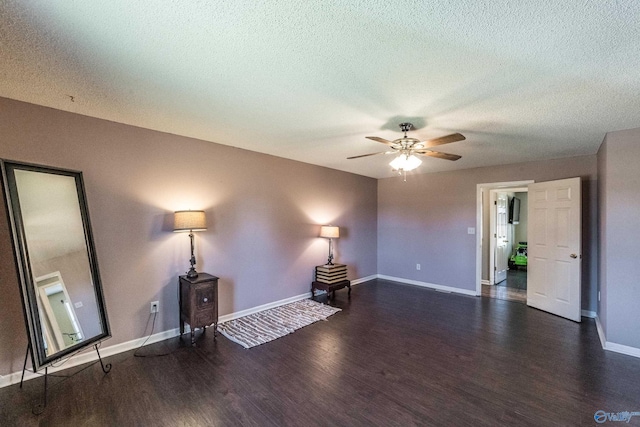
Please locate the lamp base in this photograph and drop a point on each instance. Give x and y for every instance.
(330, 260)
(192, 273)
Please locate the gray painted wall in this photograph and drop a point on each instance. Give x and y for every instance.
(619, 222)
(264, 215)
(425, 220)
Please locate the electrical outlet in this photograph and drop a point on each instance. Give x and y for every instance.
(417, 266)
(155, 306)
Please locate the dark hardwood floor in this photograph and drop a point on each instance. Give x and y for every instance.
(516, 278)
(397, 355)
(514, 288)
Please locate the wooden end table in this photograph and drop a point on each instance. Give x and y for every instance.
(330, 288)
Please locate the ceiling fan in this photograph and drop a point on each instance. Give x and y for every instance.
(407, 148)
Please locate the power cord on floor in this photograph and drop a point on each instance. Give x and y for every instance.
(153, 325)
(155, 315)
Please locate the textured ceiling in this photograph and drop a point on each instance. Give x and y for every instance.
(309, 80)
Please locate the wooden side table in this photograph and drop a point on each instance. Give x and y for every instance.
(330, 288)
(198, 303)
(330, 278)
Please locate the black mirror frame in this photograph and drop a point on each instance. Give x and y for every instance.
(21, 256)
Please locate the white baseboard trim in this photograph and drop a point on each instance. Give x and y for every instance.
(486, 282)
(611, 346)
(623, 349)
(589, 314)
(90, 355)
(429, 285)
(263, 307)
(363, 279)
(603, 339)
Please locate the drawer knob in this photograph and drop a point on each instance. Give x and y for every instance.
(206, 299)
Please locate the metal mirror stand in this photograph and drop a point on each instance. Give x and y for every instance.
(55, 257)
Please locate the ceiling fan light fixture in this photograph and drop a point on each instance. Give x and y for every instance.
(405, 162)
(406, 147)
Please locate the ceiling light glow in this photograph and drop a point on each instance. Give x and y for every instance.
(405, 162)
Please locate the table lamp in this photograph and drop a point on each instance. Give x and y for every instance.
(190, 221)
(330, 232)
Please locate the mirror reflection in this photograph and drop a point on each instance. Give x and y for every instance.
(60, 325)
(60, 285)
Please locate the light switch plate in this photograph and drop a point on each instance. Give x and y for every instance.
(471, 230)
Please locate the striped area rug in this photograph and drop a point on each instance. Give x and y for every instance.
(264, 326)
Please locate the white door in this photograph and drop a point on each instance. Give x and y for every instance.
(554, 259)
(502, 237)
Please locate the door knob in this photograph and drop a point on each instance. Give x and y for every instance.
(574, 256)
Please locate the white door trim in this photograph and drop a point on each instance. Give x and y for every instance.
(492, 231)
(479, 230)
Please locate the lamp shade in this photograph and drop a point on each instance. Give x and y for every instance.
(330, 231)
(405, 162)
(189, 221)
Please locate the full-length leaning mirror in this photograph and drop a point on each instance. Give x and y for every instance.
(61, 291)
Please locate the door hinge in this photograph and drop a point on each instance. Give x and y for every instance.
(495, 202)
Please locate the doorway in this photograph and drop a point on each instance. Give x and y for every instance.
(508, 258)
(554, 244)
(501, 259)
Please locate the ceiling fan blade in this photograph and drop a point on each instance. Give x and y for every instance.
(378, 139)
(439, 155)
(454, 137)
(370, 154)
